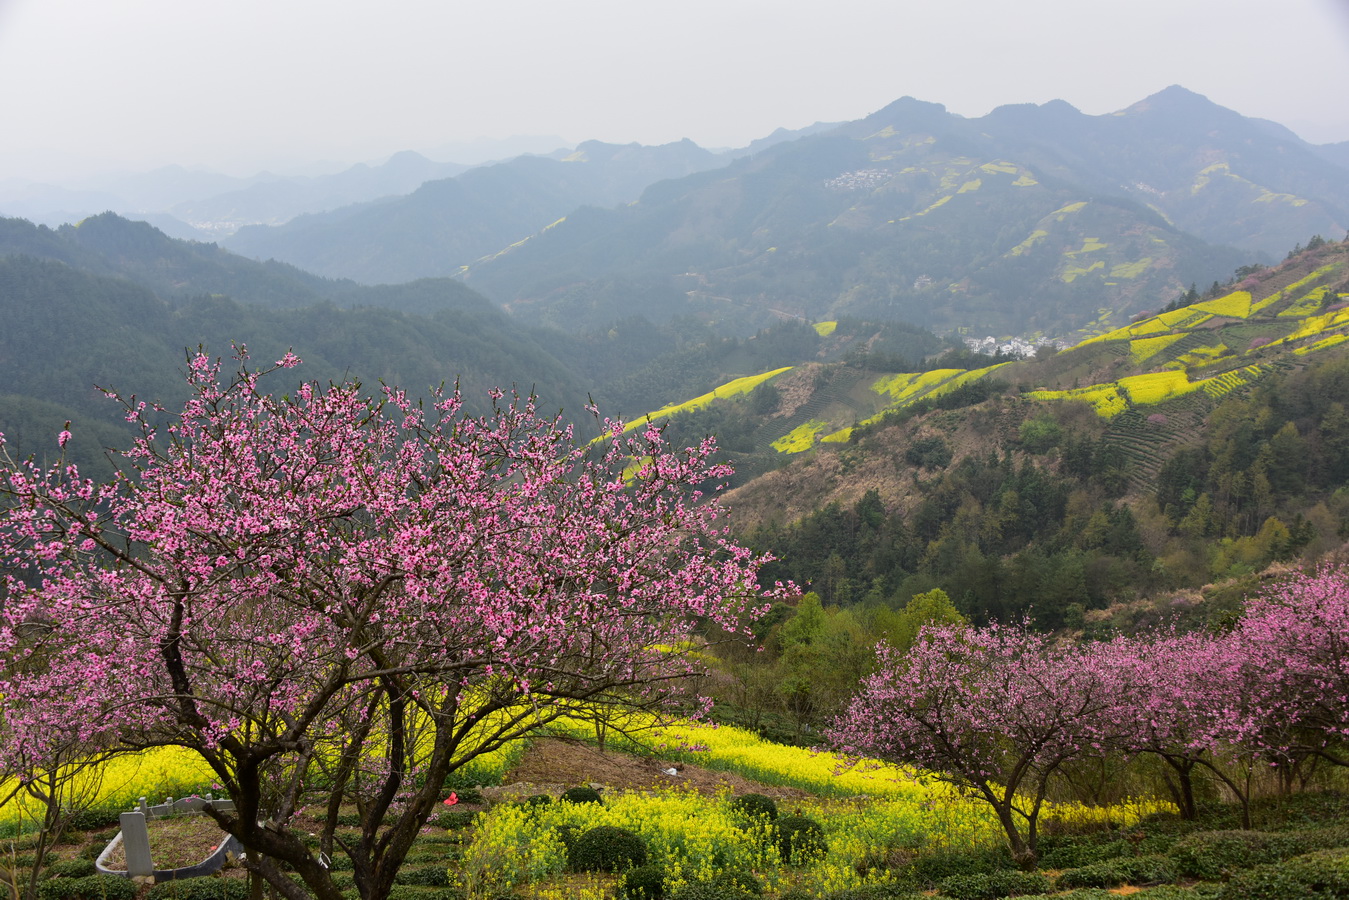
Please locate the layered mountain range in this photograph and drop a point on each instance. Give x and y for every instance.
(1031, 219)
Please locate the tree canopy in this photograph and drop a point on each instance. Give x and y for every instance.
(336, 599)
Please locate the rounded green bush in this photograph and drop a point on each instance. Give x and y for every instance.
(932, 867)
(206, 888)
(644, 883)
(1071, 852)
(423, 876)
(731, 884)
(417, 892)
(607, 848)
(755, 806)
(93, 819)
(94, 887)
(453, 818)
(799, 838)
(1138, 870)
(992, 885)
(581, 794)
(875, 892)
(1324, 874)
(70, 868)
(1211, 855)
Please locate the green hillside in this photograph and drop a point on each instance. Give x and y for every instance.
(1195, 444)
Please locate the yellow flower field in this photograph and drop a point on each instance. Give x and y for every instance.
(730, 389)
(800, 438)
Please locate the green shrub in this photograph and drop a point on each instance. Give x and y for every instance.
(730, 884)
(417, 892)
(644, 883)
(343, 881)
(930, 868)
(1210, 855)
(94, 887)
(1300, 810)
(581, 795)
(1135, 870)
(755, 806)
(799, 839)
(208, 888)
(453, 818)
(875, 892)
(94, 819)
(423, 876)
(1072, 851)
(1324, 874)
(421, 853)
(607, 849)
(70, 868)
(1332, 837)
(991, 885)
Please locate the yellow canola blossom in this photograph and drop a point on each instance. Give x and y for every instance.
(800, 438)
(729, 389)
(121, 781)
(1236, 305)
(1071, 273)
(1131, 269)
(1314, 325)
(1104, 398)
(1323, 344)
(1156, 387)
(1089, 245)
(1306, 305)
(1227, 382)
(1200, 356)
(824, 329)
(1036, 236)
(907, 385)
(1144, 349)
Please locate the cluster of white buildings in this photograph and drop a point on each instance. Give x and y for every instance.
(861, 179)
(1009, 347)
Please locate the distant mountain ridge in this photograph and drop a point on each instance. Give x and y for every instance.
(447, 223)
(1030, 219)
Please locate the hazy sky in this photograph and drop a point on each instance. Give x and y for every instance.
(239, 85)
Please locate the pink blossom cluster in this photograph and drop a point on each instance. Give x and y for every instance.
(1000, 710)
(330, 581)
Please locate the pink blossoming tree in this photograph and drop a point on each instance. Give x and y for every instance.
(995, 710)
(1292, 646)
(339, 600)
(1182, 702)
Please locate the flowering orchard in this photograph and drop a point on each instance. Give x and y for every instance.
(1000, 711)
(337, 599)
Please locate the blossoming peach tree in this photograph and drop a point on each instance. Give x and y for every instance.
(340, 600)
(997, 711)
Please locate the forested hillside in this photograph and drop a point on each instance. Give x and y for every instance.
(114, 303)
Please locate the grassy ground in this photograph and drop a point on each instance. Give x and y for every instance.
(904, 840)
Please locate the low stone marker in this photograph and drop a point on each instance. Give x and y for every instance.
(135, 839)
